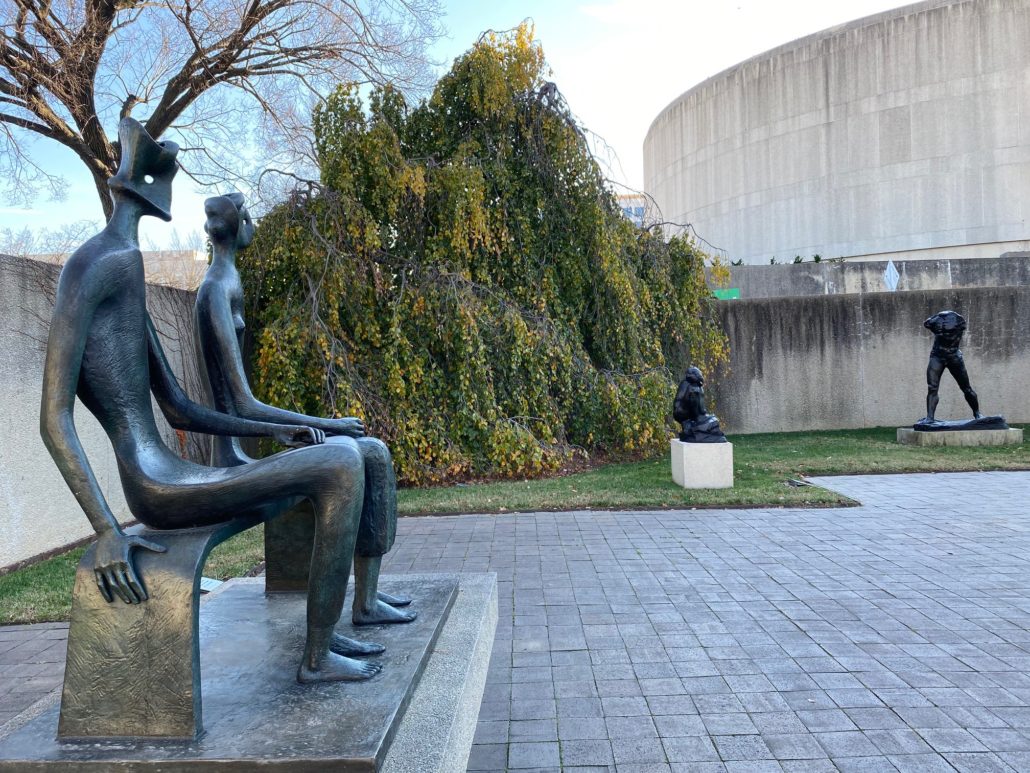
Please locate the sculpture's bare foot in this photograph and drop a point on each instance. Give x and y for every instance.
(394, 601)
(381, 613)
(336, 668)
(341, 645)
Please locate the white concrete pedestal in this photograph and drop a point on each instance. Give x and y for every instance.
(702, 465)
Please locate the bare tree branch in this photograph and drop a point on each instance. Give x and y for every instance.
(70, 69)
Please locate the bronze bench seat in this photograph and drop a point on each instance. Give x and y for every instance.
(133, 670)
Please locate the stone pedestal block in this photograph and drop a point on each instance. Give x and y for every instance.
(969, 437)
(417, 716)
(702, 465)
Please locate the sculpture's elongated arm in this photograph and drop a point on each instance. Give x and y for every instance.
(183, 413)
(220, 339)
(77, 300)
(79, 292)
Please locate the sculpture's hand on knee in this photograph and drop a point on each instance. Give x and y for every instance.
(113, 567)
(298, 437)
(349, 426)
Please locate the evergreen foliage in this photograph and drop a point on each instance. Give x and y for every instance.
(464, 281)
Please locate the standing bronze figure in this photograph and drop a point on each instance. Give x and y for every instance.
(219, 326)
(947, 328)
(103, 348)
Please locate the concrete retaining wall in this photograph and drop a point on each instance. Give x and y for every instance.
(901, 131)
(867, 276)
(850, 361)
(37, 511)
(825, 361)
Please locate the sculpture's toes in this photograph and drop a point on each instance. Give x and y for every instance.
(336, 668)
(380, 614)
(341, 645)
(394, 601)
(369, 670)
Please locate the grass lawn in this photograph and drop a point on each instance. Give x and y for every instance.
(42, 592)
(763, 464)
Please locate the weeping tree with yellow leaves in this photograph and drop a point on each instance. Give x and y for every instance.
(463, 280)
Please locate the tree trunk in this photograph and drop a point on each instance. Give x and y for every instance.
(100, 181)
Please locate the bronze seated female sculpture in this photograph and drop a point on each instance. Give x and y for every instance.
(103, 348)
(219, 327)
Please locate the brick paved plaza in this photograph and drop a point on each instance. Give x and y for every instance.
(894, 636)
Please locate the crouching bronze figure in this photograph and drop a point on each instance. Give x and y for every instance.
(699, 426)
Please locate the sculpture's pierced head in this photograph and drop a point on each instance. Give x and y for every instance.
(693, 376)
(145, 169)
(228, 221)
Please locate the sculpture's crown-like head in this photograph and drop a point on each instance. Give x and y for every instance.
(146, 168)
(693, 375)
(228, 219)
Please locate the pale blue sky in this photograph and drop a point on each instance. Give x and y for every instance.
(618, 63)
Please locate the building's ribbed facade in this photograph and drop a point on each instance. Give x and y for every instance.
(904, 135)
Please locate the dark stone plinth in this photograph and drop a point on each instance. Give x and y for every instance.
(256, 715)
(984, 422)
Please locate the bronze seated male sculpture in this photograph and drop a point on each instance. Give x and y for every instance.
(219, 326)
(103, 348)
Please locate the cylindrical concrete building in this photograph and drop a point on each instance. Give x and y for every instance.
(901, 135)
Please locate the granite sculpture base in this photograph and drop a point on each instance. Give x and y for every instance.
(417, 716)
(702, 465)
(968, 437)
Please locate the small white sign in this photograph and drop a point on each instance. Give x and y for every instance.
(208, 584)
(891, 276)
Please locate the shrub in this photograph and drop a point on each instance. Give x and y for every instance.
(463, 280)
